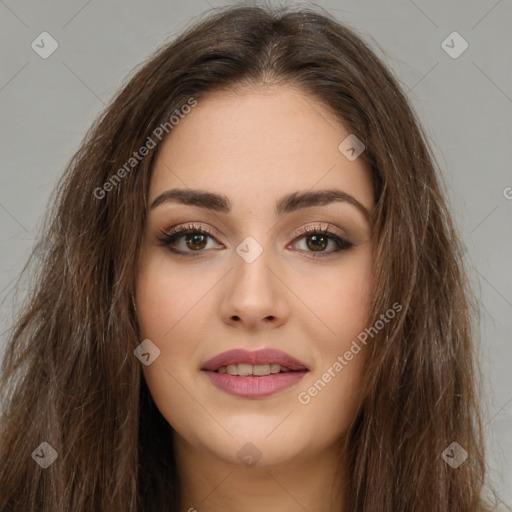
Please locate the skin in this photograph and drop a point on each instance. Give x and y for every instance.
(254, 146)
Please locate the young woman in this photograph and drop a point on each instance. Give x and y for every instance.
(251, 296)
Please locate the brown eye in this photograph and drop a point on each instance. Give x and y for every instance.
(317, 242)
(196, 241)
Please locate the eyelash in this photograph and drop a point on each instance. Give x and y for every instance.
(170, 236)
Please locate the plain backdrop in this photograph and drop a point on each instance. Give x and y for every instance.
(464, 103)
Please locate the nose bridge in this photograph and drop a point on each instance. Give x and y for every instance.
(252, 263)
(254, 292)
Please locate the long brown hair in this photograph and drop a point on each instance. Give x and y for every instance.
(69, 375)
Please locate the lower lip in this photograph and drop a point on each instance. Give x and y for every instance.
(254, 387)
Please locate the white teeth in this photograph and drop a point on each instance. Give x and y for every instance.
(233, 369)
(261, 369)
(244, 369)
(258, 370)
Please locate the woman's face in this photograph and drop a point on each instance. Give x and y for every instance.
(257, 281)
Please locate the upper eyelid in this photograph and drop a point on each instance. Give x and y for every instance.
(311, 226)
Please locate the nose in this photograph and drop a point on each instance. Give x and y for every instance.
(254, 294)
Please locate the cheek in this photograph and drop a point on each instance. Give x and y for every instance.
(165, 305)
(330, 401)
(333, 391)
(340, 299)
(166, 296)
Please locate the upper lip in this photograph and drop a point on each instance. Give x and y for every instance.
(262, 356)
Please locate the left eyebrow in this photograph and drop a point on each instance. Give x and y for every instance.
(287, 204)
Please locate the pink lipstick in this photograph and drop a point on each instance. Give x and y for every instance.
(254, 374)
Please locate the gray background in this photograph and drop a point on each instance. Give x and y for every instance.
(465, 105)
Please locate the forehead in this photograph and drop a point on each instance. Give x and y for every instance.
(259, 143)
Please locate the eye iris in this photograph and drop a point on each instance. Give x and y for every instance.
(315, 239)
(196, 239)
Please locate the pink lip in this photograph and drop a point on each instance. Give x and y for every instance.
(262, 356)
(254, 386)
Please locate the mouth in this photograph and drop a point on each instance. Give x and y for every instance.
(255, 374)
